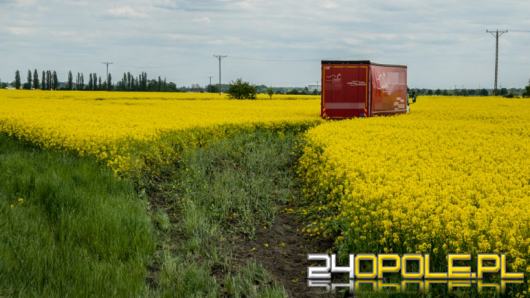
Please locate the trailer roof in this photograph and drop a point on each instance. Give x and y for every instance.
(359, 62)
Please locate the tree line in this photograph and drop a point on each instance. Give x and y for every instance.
(512, 92)
(48, 80)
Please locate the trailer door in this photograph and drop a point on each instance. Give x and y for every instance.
(389, 90)
(344, 90)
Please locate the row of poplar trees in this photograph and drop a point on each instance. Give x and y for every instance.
(49, 81)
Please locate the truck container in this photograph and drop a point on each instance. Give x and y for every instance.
(362, 89)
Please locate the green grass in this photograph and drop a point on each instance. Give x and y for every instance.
(222, 190)
(68, 227)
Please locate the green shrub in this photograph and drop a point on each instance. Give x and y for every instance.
(241, 90)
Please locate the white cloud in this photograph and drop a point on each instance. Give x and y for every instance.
(19, 30)
(203, 20)
(329, 4)
(125, 11)
(25, 2)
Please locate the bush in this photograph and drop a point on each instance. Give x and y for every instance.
(270, 92)
(241, 90)
(212, 89)
(527, 92)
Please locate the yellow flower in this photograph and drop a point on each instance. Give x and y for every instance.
(451, 176)
(108, 129)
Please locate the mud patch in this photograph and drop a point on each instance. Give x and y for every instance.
(282, 249)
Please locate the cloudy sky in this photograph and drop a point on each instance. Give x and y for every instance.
(278, 42)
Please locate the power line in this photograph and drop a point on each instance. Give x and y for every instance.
(220, 57)
(497, 34)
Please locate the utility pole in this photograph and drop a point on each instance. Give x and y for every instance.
(210, 80)
(220, 57)
(107, 64)
(497, 33)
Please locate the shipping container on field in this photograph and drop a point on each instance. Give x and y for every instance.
(362, 89)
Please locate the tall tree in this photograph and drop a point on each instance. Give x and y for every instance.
(109, 82)
(49, 80)
(124, 82)
(90, 82)
(36, 79)
(28, 80)
(43, 80)
(17, 79)
(55, 80)
(70, 84)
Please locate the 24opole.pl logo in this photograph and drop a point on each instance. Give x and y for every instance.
(413, 269)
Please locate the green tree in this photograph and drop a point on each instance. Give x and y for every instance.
(484, 92)
(36, 84)
(527, 90)
(109, 82)
(17, 79)
(90, 82)
(29, 78)
(70, 84)
(49, 80)
(503, 92)
(241, 90)
(270, 92)
(55, 80)
(43, 81)
(212, 89)
(80, 82)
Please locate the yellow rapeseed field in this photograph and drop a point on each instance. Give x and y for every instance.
(97, 122)
(452, 176)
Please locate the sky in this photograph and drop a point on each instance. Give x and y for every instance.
(273, 42)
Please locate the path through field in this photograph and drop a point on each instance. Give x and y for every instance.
(229, 229)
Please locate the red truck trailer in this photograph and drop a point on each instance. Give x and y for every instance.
(362, 89)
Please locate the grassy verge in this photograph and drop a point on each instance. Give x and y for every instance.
(218, 193)
(68, 227)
